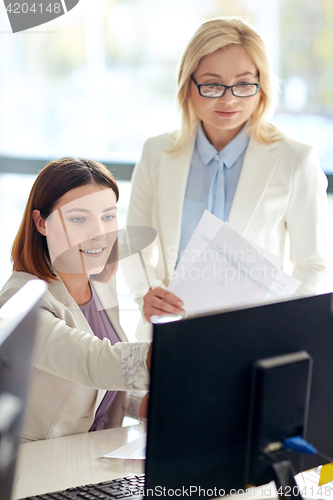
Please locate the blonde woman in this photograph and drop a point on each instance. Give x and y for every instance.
(227, 158)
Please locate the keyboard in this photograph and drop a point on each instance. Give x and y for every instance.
(130, 487)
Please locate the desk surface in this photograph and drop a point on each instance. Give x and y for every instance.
(56, 464)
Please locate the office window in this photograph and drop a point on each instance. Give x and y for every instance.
(306, 71)
(102, 78)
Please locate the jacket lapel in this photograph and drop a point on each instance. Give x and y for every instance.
(59, 291)
(258, 168)
(107, 296)
(174, 170)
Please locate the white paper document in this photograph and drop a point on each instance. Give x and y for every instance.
(134, 450)
(205, 231)
(221, 269)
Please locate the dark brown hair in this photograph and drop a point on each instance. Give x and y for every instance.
(30, 253)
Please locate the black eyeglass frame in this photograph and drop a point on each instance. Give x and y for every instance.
(226, 87)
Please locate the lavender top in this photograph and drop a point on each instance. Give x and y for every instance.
(102, 328)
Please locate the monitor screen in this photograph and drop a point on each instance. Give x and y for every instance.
(17, 330)
(200, 398)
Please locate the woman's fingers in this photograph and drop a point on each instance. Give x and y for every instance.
(143, 410)
(148, 360)
(160, 301)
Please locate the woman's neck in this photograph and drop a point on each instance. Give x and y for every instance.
(220, 138)
(78, 286)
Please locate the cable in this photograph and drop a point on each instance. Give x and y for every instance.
(300, 445)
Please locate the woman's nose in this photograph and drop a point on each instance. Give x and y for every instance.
(228, 96)
(97, 231)
(99, 237)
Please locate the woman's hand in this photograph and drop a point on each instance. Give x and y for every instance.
(159, 301)
(148, 360)
(143, 411)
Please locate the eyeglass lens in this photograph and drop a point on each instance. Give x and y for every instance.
(237, 90)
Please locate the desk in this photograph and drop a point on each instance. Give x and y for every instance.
(56, 464)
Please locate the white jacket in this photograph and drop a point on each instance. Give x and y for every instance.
(280, 201)
(72, 368)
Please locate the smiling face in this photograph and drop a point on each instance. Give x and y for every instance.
(82, 230)
(223, 117)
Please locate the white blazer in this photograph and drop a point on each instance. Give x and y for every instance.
(280, 203)
(70, 362)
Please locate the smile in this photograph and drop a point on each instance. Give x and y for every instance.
(94, 251)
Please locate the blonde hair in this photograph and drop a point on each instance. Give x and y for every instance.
(216, 34)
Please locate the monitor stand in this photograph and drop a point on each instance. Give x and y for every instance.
(279, 405)
(284, 479)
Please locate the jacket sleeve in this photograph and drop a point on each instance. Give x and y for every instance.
(307, 224)
(139, 268)
(78, 356)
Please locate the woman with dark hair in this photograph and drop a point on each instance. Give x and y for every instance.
(83, 365)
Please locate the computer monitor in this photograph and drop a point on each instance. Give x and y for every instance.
(200, 395)
(17, 330)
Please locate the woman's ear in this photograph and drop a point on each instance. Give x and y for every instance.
(39, 222)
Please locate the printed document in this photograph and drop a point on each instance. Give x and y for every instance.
(220, 269)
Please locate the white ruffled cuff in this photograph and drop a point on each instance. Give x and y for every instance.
(134, 356)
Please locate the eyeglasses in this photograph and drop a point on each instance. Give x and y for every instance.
(213, 90)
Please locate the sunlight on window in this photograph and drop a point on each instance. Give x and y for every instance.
(98, 81)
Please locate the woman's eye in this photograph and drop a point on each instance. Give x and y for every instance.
(78, 219)
(109, 217)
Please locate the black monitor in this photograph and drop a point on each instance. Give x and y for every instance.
(201, 408)
(17, 330)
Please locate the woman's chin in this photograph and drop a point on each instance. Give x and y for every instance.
(95, 270)
(77, 268)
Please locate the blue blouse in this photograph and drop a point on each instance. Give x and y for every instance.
(212, 181)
